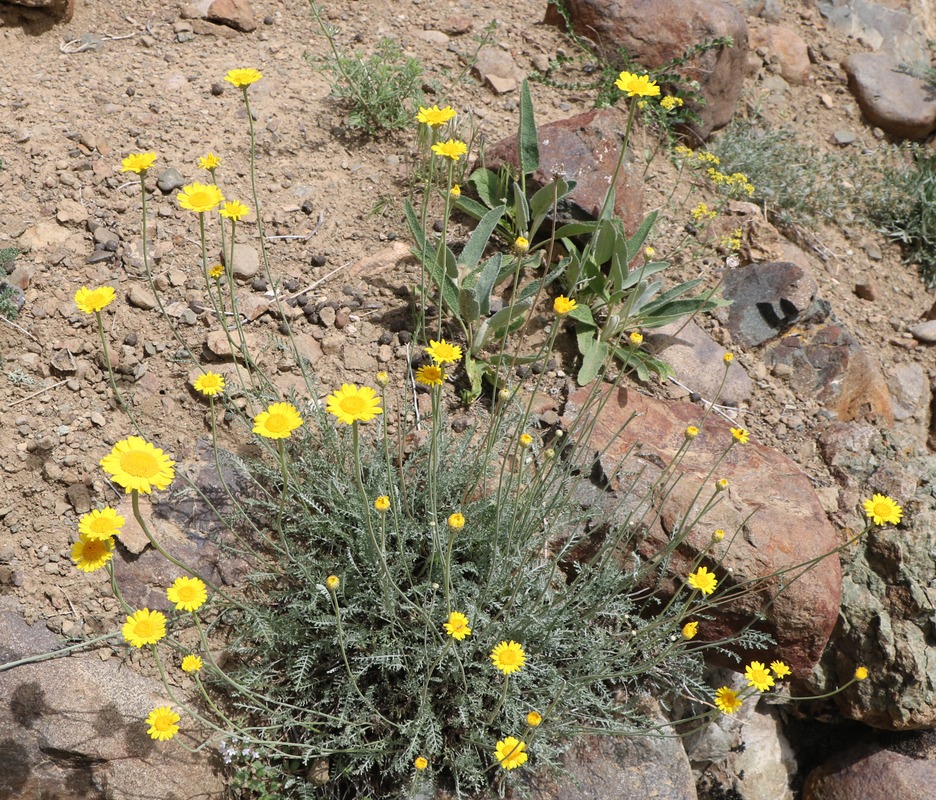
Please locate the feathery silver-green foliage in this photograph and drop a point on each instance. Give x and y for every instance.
(597, 638)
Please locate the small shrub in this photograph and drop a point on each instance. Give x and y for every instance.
(791, 179)
(902, 205)
(380, 92)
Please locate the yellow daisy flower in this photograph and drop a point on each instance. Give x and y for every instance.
(332, 582)
(455, 191)
(162, 723)
(780, 669)
(191, 664)
(637, 85)
(138, 466)
(703, 580)
(101, 524)
(209, 161)
(727, 700)
(740, 435)
(430, 375)
(382, 503)
(91, 554)
(144, 627)
(452, 149)
(456, 521)
(882, 510)
(200, 197)
(525, 440)
(92, 301)
(522, 244)
(188, 594)
(234, 209)
(511, 753)
(562, 305)
(353, 404)
(691, 432)
(758, 676)
(534, 719)
(420, 763)
(137, 162)
(508, 657)
(435, 116)
(443, 352)
(861, 673)
(209, 384)
(242, 78)
(457, 626)
(216, 271)
(690, 629)
(277, 422)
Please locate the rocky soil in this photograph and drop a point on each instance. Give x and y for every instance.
(132, 76)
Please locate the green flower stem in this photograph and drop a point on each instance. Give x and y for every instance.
(500, 702)
(110, 372)
(423, 217)
(135, 499)
(284, 470)
(440, 252)
(424, 694)
(109, 566)
(592, 242)
(344, 657)
(386, 581)
(61, 652)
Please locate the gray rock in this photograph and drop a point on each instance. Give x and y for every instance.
(72, 725)
(170, 179)
(910, 391)
(766, 299)
(894, 32)
(139, 297)
(624, 767)
(698, 363)
(496, 66)
(246, 262)
(925, 331)
(844, 137)
(898, 103)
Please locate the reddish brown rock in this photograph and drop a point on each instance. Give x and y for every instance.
(788, 48)
(584, 149)
(898, 103)
(60, 10)
(656, 31)
(870, 773)
(771, 504)
(233, 13)
(829, 363)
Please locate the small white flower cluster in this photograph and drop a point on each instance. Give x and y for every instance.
(231, 750)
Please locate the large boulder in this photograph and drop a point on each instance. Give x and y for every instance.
(896, 102)
(870, 772)
(654, 32)
(775, 523)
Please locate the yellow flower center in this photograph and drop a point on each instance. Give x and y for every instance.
(139, 464)
(94, 549)
(881, 510)
(145, 628)
(162, 723)
(277, 423)
(353, 405)
(102, 525)
(186, 593)
(508, 658)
